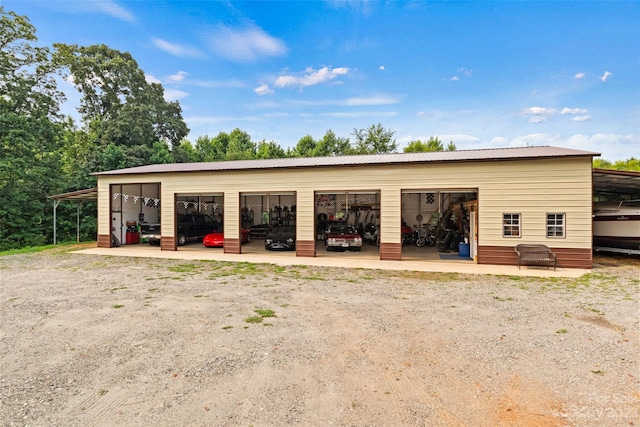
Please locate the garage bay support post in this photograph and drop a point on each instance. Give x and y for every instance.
(390, 224)
(305, 223)
(232, 222)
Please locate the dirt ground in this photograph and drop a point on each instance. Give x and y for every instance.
(95, 341)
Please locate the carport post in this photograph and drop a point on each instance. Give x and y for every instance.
(55, 207)
(78, 223)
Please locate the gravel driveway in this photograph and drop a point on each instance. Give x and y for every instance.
(89, 340)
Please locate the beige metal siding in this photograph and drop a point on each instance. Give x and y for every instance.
(534, 190)
(104, 205)
(529, 187)
(305, 215)
(390, 215)
(231, 214)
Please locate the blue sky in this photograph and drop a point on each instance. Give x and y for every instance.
(480, 74)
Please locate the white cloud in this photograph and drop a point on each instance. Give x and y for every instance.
(111, 8)
(178, 77)
(231, 83)
(584, 118)
(605, 76)
(353, 102)
(579, 76)
(532, 139)
(176, 49)
(246, 44)
(373, 100)
(263, 90)
(573, 111)
(465, 71)
(151, 79)
(360, 114)
(458, 138)
(454, 79)
(540, 114)
(174, 94)
(311, 77)
(381, 68)
(613, 146)
(499, 141)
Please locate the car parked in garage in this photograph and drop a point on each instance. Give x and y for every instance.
(215, 239)
(342, 237)
(190, 228)
(281, 238)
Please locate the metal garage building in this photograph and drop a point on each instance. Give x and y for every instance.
(508, 196)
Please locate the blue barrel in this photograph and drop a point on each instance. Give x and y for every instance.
(464, 249)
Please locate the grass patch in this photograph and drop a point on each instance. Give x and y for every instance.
(60, 247)
(265, 313)
(115, 289)
(561, 331)
(261, 314)
(117, 306)
(227, 327)
(185, 268)
(313, 278)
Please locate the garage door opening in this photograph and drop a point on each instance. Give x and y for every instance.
(269, 220)
(198, 216)
(132, 207)
(439, 225)
(347, 223)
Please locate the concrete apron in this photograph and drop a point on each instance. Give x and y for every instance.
(341, 262)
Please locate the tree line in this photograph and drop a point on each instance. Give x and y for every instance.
(124, 122)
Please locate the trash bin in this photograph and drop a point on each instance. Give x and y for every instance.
(464, 249)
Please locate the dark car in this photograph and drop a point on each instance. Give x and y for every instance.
(190, 227)
(281, 238)
(342, 237)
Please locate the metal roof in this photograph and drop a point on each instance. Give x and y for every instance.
(88, 194)
(616, 182)
(496, 154)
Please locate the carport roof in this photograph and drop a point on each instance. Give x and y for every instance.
(616, 181)
(88, 194)
(497, 154)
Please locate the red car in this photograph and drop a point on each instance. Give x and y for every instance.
(215, 239)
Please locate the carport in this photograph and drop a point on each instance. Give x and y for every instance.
(615, 185)
(80, 197)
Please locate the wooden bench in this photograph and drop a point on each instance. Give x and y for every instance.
(536, 255)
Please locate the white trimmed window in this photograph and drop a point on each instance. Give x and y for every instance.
(511, 225)
(555, 225)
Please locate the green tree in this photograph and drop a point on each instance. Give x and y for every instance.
(184, 152)
(240, 146)
(211, 149)
(269, 150)
(332, 145)
(30, 134)
(306, 147)
(374, 140)
(631, 164)
(433, 144)
(119, 106)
